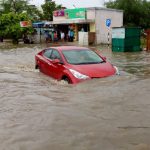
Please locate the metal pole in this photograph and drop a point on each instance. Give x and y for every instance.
(40, 34)
(108, 37)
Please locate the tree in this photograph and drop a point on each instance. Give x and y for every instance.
(11, 13)
(48, 9)
(135, 11)
(16, 6)
(33, 12)
(10, 26)
(19, 6)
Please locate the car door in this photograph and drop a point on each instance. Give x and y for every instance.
(57, 68)
(47, 65)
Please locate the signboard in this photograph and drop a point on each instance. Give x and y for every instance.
(58, 13)
(108, 22)
(118, 33)
(75, 13)
(25, 23)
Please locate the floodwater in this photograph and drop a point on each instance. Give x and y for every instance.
(39, 113)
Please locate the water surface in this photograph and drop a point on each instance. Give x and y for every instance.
(39, 113)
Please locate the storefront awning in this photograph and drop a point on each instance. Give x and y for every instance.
(72, 21)
(38, 24)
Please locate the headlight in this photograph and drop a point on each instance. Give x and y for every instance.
(78, 75)
(117, 70)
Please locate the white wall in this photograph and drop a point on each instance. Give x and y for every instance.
(83, 38)
(102, 30)
(90, 14)
(59, 18)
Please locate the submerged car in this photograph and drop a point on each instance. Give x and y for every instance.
(73, 64)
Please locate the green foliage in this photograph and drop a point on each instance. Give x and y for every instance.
(10, 25)
(33, 13)
(136, 12)
(48, 9)
(15, 11)
(20, 6)
(16, 6)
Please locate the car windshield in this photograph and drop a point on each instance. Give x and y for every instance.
(83, 56)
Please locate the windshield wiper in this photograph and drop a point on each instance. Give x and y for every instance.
(89, 63)
(86, 63)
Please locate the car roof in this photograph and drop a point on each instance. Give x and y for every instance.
(61, 48)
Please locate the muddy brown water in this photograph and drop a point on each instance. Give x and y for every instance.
(39, 113)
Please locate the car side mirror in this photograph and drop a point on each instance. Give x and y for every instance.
(56, 61)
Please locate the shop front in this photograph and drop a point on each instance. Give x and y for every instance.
(72, 19)
(90, 25)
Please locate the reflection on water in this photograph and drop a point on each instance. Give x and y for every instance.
(39, 113)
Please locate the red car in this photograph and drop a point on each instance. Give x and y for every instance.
(73, 64)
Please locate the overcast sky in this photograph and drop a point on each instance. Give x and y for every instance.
(73, 3)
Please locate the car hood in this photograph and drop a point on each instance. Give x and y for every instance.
(95, 70)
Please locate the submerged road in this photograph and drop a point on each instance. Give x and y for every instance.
(39, 113)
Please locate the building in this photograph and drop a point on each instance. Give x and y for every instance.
(96, 20)
(105, 20)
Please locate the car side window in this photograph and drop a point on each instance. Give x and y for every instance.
(47, 53)
(55, 55)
